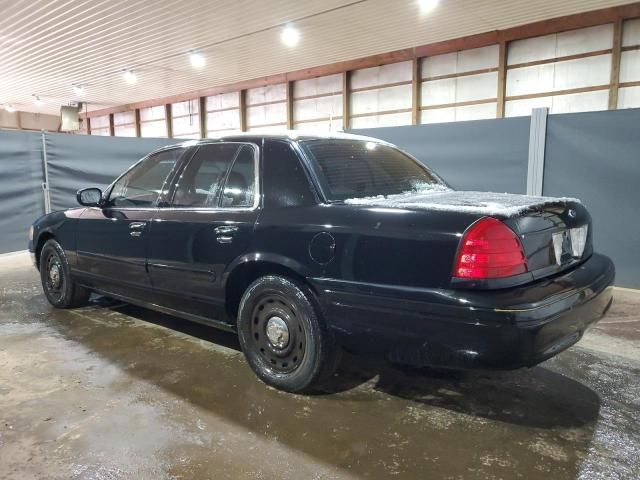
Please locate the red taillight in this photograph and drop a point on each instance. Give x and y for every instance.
(489, 249)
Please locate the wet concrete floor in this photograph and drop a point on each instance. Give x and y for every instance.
(111, 391)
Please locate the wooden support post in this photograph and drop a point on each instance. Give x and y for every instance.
(203, 117)
(112, 128)
(346, 100)
(138, 125)
(502, 79)
(290, 121)
(168, 116)
(243, 110)
(616, 54)
(416, 90)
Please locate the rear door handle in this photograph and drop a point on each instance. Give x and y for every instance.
(136, 228)
(224, 233)
(225, 230)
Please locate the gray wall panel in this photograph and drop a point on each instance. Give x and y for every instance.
(21, 197)
(78, 161)
(486, 155)
(595, 156)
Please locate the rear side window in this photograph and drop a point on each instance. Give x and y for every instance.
(285, 182)
(142, 185)
(358, 168)
(219, 174)
(239, 189)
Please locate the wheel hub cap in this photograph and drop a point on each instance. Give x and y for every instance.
(54, 276)
(277, 332)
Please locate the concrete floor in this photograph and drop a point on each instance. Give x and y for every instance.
(111, 391)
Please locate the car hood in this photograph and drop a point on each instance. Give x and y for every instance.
(482, 203)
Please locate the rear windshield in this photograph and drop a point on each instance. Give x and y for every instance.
(357, 168)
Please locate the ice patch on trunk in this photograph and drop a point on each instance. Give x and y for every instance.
(444, 199)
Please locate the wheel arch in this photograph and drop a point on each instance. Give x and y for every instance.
(249, 268)
(42, 239)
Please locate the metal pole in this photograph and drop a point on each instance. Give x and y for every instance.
(537, 139)
(45, 184)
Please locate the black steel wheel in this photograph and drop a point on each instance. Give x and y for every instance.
(59, 287)
(283, 335)
(278, 332)
(55, 279)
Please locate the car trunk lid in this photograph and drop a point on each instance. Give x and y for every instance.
(554, 236)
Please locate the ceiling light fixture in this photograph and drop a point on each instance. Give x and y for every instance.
(129, 76)
(9, 108)
(427, 5)
(78, 90)
(290, 36)
(37, 102)
(197, 59)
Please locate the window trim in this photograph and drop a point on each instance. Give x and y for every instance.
(169, 179)
(257, 191)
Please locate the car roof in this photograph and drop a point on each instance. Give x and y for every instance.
(291, 135)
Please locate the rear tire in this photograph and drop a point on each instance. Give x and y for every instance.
(283, 335)
(61, 290)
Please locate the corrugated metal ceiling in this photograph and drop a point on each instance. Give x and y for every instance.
(47, 46)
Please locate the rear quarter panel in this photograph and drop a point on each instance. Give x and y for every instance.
(387, 246)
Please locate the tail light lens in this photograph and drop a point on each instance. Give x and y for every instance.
(489, 249)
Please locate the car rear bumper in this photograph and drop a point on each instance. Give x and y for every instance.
(499, 329)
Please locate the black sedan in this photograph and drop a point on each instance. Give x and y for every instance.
(308, 245)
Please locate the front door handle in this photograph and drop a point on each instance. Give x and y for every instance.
(224, 233)
(136, 228)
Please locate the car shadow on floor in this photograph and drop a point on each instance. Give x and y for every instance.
(535, 397)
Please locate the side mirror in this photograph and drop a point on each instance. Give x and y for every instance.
(89, 197)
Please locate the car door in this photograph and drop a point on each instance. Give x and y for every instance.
(210, 223)
(112, 240)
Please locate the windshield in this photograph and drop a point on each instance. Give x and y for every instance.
(356, 168)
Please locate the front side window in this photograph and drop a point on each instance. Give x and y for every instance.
(358, 168)
(141, 186)
(218, 175)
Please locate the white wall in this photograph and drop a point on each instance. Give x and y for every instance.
(29, 121)
(223, 114)
(317, 103)
(629, 97)
(267, 108)
(185, 117)
(124, 124)
(468, 77)
(153, 122)
(381, 96)
(593, 71)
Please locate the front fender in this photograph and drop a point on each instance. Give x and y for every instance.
(60, 225)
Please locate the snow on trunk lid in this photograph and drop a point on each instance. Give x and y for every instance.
(440, 198)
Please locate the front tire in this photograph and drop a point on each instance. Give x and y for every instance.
(61, 290)
(283, 335)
